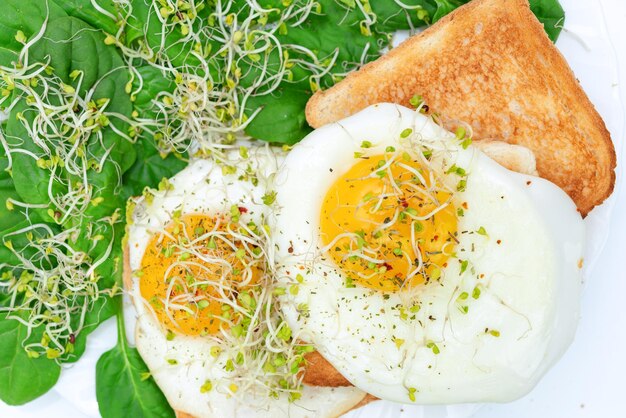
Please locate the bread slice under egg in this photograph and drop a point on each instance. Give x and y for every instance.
(491, 64)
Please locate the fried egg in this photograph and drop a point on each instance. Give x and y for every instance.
(420, 268)
(207, 325)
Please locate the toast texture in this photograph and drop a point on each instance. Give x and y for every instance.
(490, 64)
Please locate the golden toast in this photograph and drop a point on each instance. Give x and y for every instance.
(490, 64)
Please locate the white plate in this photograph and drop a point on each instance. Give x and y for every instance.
(588, 381)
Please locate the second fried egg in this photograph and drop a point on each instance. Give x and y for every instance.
(420, 268)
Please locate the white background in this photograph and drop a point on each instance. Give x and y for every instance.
(590, 380)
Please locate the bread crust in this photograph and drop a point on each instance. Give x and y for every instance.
(491, 64)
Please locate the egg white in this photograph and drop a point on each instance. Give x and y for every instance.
(202, 188)
(529, 292)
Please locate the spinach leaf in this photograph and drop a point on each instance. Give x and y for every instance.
(151, 165)
(30, 182)
(282, 117)
(22, 378)
(144, 25)
(12, 221)
(122, 388)
(84, 10)
(140, 12)
(102, 68)
(444, 7)
(8, 218)
(70, 45)
(103, 309)
(109, 273)
(149, 168)
(392, 18)
(25, 16)
(153, 84)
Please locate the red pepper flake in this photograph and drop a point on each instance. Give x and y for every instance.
(388, 266)
(243, 210)
(528, 183)
(464, 204)
(72, 338)
(499, 241)
(404, 203)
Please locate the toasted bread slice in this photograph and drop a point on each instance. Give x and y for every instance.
(490, 64)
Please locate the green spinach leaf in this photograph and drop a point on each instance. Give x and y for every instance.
(122, 388)
(104, 19)
(103, 309)
(392, 18)
(12, 221)
(153, 84)
(28, 17)
(22, 378)
(102, 68)
(281, 118)
(74, 50)
(150, 168)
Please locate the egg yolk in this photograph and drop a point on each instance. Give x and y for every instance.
(376, 216)
(187, 270)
